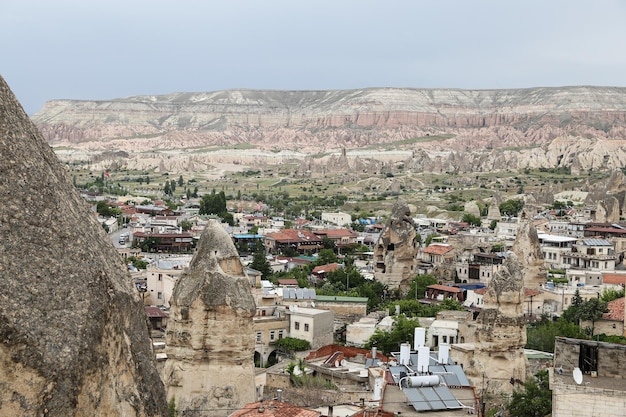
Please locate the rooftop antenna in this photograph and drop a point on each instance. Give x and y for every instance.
(578, 376)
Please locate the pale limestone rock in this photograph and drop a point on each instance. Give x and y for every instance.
(500, 335)
(74, 337)
(472, 208)
(210, 336)
(494, 211)
(528, 251)
(396, 250)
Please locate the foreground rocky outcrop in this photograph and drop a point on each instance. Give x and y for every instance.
(435, 130)
(395, 253)
(210, 334)
(74, 339)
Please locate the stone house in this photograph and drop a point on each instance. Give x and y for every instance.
(311, 324)
(554, 248)
(587, 378)
(340, 237)
(437, 253)
(302, 241)
(438, 292)
(591, 255)
(611, 323)
(480, 268)
(339, 218)
(161, 276)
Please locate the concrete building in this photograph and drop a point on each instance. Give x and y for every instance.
(588, 378)
(311, 324)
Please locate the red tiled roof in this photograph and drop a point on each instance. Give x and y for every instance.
(614, 279)
(336, 233)
(529, 292)
(293, 235)
(445, 288)
(273, 408)
(154, 312)
(616, 310)
(287, 281)
(438, 249)
(294, 260)
(325, 268)
(481, 291)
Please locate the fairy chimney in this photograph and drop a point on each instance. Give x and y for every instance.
(74, 338)
(210, 336)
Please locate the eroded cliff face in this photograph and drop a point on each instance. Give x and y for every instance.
(74, 336)
(500, 334)
(471, 130)
(210, 336)
(396, 249)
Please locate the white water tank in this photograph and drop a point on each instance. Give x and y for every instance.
(419, 337)
(444, 354)
(405, 354)
(422, 381)
(423, 359)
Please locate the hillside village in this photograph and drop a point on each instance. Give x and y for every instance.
(579, 254)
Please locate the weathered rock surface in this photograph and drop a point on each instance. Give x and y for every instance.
(74, 338)
(471, 130)
(500, 335)
(210, 336)
(396, 249)
(528, 251)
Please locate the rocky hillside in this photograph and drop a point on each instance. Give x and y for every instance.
(447, 129)
(74, 337)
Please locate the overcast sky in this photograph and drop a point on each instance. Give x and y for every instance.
(96, 49)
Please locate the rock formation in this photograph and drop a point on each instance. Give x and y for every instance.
(494, 210)
(74, 336)
(500, 336)
(210, 336)
(396, 250)
(528, 251)
(458, 130)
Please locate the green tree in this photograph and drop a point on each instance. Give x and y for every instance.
(471, 219)
(259, 260)
(493, 224)
(418, 286)
(292, 344)
(401, 331)
(171, 408)
(592, 310)
(186, 225)
(325, 257)
(511, 207)
(167, 189)
(180, 181)
(572, 313)
(535, 400)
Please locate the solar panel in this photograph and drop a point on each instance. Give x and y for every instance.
(432, 398)
(459, 374)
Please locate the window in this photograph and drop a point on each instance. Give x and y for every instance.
(258, 337)
(272, 335)
(160, 277)
(296, 325)
(444, 339)
(588, 359)
(306, 327)
(280, 334)
(159, 295)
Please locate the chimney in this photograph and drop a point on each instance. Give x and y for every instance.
(279, 395)
(373, 352)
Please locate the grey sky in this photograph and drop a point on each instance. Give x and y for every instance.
(96, 49)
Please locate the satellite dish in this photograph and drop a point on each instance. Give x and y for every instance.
(578, 376)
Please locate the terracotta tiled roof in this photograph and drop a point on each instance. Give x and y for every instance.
(336, 233)
(444, 288)
(481, 291)
(287, 281)
(529, 292)
(325, 268)
(614, 279)
(293, 235)
(273, 408)
(154, 312)
(616, 310)
(438, 249)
